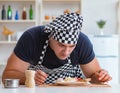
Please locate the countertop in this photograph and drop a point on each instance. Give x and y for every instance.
(61, 89)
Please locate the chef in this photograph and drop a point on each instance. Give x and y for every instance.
(56, 50)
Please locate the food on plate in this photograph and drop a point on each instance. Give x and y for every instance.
(83, 79)
(67, 79)
(60, 80)
(70, 79)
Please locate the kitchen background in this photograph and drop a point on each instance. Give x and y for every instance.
(106, 46)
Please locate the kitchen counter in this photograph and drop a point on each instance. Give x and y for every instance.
(61, 89)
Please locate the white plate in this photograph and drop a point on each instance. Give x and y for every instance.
(71, 83)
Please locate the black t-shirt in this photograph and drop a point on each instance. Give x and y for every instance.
(30, 45)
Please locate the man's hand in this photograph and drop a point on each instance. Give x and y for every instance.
(40, 77)
(101, 76)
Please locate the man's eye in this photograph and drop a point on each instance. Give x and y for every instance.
(72, 46)
(60, 45)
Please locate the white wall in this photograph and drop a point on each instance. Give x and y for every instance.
(94, 10)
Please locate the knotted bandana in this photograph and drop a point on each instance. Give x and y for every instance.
(65, 28)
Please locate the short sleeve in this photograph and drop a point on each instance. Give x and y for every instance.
(24, 47)
(86, 53)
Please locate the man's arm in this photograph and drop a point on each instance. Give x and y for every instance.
(15, 68)
(95, 72)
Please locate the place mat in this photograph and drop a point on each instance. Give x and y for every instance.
(82, 85)
(99, 85)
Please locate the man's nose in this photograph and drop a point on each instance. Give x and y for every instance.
(66, 51)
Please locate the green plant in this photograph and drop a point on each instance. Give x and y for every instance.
(101, 23)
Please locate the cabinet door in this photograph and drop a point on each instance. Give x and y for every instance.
(53, 8)
(105, 46)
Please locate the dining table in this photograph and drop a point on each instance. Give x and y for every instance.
(113, 88)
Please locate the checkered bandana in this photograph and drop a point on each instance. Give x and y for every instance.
(65, 28)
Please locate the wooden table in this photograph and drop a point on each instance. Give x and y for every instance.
(62, 89)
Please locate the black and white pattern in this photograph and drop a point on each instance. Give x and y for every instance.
(66, 70)
(66, 28)
(70, 72)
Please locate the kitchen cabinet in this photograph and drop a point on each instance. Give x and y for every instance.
(106, 48)
(53, 8)
(17, 26)
(20, 24)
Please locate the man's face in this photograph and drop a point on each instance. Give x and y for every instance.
(61, 50)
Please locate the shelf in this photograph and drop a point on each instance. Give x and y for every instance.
(46, 21)
(7, 42)
(7, 45)
(16, 0)
(16, 21)
(61, 0)
(47, 7)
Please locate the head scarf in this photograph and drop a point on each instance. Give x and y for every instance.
(65, 28)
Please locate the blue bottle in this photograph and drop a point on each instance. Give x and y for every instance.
(16, 15)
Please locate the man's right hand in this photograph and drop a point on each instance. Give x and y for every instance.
(40, 77)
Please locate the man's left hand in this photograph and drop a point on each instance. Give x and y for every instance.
(101, 76)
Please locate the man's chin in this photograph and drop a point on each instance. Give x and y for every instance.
(63, 58)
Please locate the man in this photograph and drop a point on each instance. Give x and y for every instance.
(57, 50)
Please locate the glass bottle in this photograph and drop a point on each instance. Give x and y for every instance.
(3, 14)
(16, 15)
(9, 13)
(24, 14)
(31, 13)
